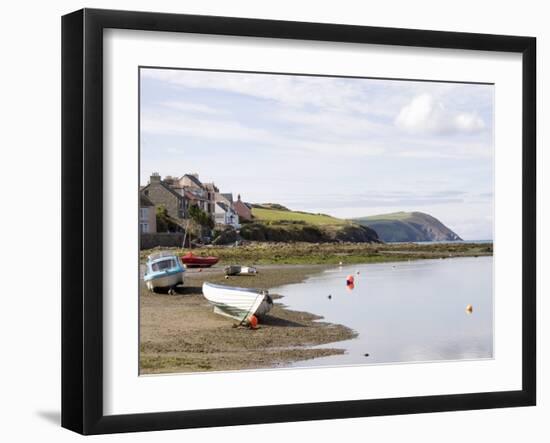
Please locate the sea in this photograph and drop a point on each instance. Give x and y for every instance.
(411, 311)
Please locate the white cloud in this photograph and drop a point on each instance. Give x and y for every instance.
(425, 115)
(469, 122)
(328, 93)
(203, 128)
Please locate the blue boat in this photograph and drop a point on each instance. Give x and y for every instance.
(163, 270)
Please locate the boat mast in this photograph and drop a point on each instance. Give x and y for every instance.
(185, 236)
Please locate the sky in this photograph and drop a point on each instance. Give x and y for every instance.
(347, 147)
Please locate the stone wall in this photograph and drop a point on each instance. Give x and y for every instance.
(148, 241)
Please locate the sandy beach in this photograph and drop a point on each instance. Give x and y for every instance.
(181, 333)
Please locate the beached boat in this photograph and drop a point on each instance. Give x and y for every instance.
(237, 303)
(240, 270)
(163, 270)
(191, 260)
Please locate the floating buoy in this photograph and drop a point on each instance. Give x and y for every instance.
(469, 309)
(226, 277)
(329, 296)
(253, 322)
(350, 286)
(366, 355)
(350, 279)
(340, 263)
(358, 273)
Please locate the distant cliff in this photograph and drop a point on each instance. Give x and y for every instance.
(408, 227)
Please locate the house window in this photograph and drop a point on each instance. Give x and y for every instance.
(144, 227)
(143, 213)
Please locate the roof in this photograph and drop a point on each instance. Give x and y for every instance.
(188, 192)
(193, 179)
(190, 196)
(223, 206)
(228, 196)
(144, 201)
(168, 188)
(211, 187)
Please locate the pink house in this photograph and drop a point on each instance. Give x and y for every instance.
(242, 210)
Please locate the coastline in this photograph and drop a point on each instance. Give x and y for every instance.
(181, 333)
(299, 253)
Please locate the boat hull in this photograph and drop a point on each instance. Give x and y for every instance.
(164, 281)
(240, 270)
(237, 303)
(198, 262)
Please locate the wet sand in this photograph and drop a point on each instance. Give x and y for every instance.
(181, 333)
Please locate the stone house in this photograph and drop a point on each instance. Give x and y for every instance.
(161, 194)
(147, 215)
(242, 209)
(193, 189)
(211, 190)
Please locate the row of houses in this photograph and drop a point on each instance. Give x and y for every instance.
(177, 195)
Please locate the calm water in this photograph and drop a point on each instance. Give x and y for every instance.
(404, 312)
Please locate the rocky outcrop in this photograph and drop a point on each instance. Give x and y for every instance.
(303, 232)
(408, 227)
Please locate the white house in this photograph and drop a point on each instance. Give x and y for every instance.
(225, 215)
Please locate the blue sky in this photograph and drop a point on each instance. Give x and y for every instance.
(345, 147)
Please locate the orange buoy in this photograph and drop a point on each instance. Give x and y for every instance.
(253, 321)
(350, 286)
(350, 280)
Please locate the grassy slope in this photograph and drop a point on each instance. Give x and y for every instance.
(398, 216)
(264, 214)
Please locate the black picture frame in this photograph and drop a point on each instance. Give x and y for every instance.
(82, 188)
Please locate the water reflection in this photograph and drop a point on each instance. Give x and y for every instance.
(404, 312)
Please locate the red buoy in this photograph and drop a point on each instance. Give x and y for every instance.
(253, 321)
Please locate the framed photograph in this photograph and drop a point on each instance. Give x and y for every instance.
(269, 221)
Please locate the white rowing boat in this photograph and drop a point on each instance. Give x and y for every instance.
(237, 303)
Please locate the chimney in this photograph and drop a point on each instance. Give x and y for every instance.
(155, 178)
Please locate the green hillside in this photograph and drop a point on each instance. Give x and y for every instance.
(267, 214)
(275, 223)
(408, 227)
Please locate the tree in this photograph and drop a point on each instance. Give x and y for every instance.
(164, 222)
(201, 218)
